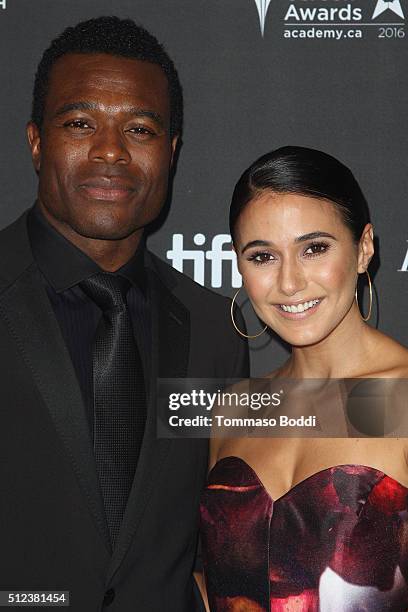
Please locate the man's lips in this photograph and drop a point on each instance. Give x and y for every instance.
(107, 188)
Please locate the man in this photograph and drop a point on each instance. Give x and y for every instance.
(92, 502)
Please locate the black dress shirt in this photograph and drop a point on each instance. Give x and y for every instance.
(63, 266)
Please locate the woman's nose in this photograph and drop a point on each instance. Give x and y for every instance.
(291, 277)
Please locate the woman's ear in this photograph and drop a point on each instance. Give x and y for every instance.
(365, 248)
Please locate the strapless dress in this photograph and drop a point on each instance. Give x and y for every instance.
(336, 542)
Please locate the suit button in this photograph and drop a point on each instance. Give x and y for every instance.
(108, 597)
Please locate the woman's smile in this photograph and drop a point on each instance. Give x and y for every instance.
(300, 310)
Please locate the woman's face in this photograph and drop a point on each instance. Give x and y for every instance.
(299, 264)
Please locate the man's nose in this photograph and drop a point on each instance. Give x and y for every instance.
(109, 147)
(292, 277)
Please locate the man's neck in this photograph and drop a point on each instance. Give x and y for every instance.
(110, 255)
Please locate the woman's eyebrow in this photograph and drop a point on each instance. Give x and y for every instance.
(256, 243)
(313, 235)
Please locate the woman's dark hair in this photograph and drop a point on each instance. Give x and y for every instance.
(306, 172)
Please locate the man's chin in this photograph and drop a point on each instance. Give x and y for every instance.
(96, 222)
(105, 231)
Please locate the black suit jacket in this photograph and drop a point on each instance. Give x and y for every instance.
(53, 533)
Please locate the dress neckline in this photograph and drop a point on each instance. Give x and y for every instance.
(291, 491)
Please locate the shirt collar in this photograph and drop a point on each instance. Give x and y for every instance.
(64, 265)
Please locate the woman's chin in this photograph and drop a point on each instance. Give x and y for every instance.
(300, 338)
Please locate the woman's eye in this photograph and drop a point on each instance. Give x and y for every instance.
(261, 258)
(317, 248)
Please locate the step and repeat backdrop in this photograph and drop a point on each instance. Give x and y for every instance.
(257, 75)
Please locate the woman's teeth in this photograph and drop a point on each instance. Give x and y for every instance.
(299, 307)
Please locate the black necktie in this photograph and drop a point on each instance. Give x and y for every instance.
(119, 395)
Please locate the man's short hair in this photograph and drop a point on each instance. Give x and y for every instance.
(114, 36)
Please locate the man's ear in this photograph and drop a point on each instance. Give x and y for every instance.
(365, 248)
(173, 145)
(34, 141)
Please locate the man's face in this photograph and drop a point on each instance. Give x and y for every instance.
(104, 151)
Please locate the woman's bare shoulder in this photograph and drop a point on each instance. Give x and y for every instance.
(391, 358)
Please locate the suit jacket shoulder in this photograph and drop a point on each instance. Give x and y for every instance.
(213, 334)
(183, 286)
(15, 251)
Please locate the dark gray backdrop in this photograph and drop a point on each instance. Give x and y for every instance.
(246, 94)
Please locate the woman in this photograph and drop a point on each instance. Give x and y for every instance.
(307, 524)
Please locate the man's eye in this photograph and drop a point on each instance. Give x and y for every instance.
(141, 130)
(261, 258)
(316, 248)
(78, 124)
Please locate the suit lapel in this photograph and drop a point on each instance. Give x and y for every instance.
(170, 340)
(27, 312)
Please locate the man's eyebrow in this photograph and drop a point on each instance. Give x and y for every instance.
(303, 238)
(70, 106)
(141, 112)
(92, 106)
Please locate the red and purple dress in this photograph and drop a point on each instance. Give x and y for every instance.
(336, 542)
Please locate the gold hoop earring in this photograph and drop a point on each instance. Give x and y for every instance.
(370, 288)
(235, 325)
